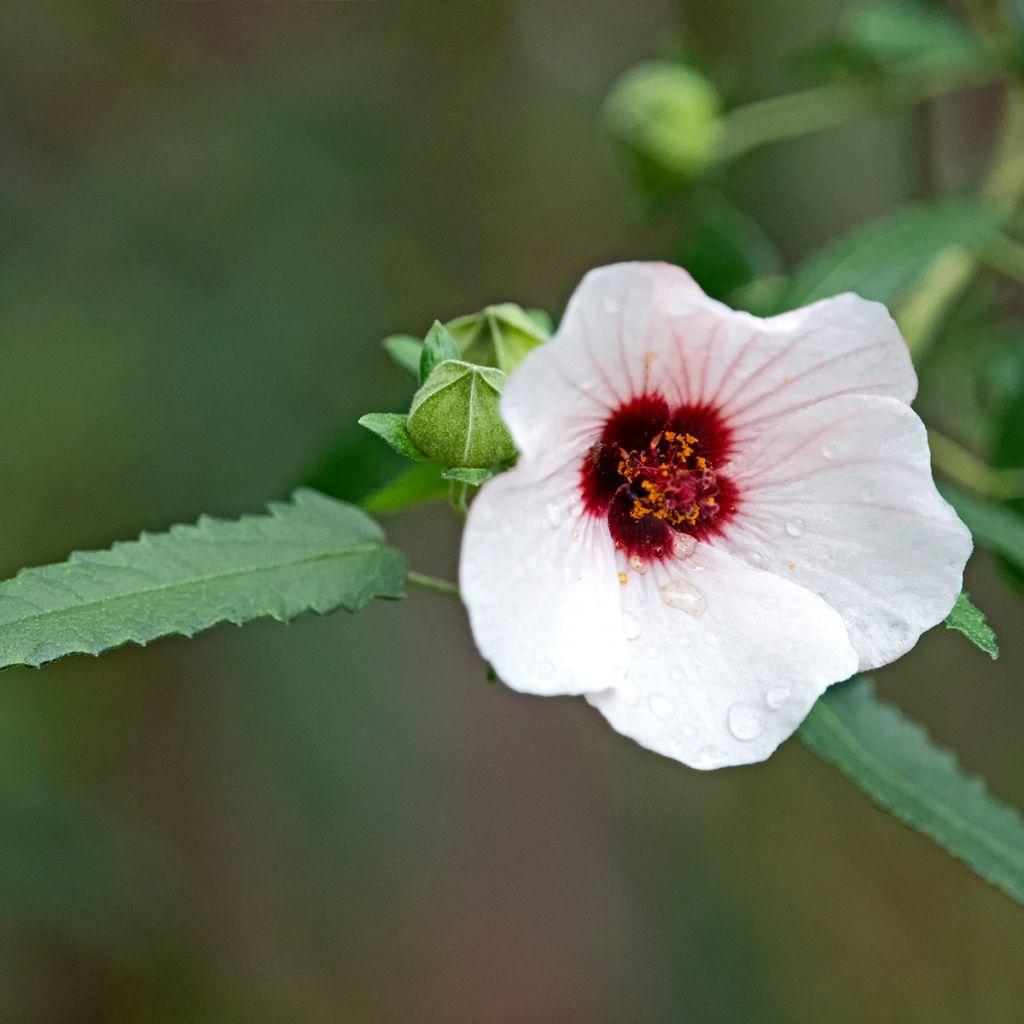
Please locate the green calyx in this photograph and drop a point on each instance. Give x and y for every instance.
(454, 418)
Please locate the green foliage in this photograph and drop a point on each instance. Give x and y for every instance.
(310, 554)
(994, 527)
(438, 346)
(881, 260)
(417, 485)
(454, 416)
(405, 350)
(895, 762)
(500, 335)
(723, 248)
(392, 427)
(474, 477)
(666, 119)
(968, 619)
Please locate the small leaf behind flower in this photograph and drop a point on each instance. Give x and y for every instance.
(995, 527)
(475, 477)
(968, 619)
(905, 773)
(438, 346)
(405, 350)
(418, 485)
(391, 427)
(310, 554)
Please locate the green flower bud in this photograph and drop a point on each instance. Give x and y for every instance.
(500, 335)
(666, 118)
(454, 416)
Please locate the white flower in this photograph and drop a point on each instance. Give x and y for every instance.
(714, 516)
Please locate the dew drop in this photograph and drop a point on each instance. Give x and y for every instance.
(777, 697)
(611, 305)
(830, 449)
(661, 706)
(687, 731)
(637, 564)
(754, 559)
(684, 545)
(868, 493)
(684, 596)
(554, 514)
(795, 527)
(898, 631)
(707, 757)
(675, 673)
(744, 722)
(576, 509)
(846, 558)
(713, 639)
(651, 652)
(630, 626)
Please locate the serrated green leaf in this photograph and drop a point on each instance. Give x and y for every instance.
(968, 619)
(391, 427)
(310, 554)
(993, 526)
(896, 763)
(464, 475)
(438, 346)
(405, 350)
(882, 259)
(418, 485)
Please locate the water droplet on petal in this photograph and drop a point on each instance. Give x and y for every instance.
(661, 706)
(687, 731)
(868, 492)
(830, 449)
(846, 558)
(898, 631)
(675, 673)
(684, 596)
(684, 545)
(576, 509)
(554, 514)
(650, 652)
(755, 559)
(777, 697)
(611, 304)
(795, 527)
(637, 564)
(707, 757)
(745, 722)
(713, 639)
(630, 625)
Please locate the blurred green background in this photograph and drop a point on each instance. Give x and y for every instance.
(210, 216)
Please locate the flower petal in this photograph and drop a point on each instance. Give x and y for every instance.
(839, 498)
(632, 328)
(729, 684)
(540, 583)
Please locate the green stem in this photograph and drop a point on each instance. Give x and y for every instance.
(824, 106)
(965, 468)
(1006, 255)
(955, 267)
(433, 583)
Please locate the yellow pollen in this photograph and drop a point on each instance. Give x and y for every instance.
(623, 579)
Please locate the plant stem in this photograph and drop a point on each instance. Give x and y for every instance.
(434, 584)
(954, 267)
(1006, 255)
(965, 468)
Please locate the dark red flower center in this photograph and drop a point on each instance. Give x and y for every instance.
(653, 475)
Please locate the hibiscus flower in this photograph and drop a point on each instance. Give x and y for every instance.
(713, 517)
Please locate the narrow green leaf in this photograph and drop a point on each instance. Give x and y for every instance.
(405, 350)
(465, 475)
(438, 346)
(882, 259)
(994, 526)
(310, 554)
(391, 427)
(968, 619)
(896, 763)
(418, 485)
